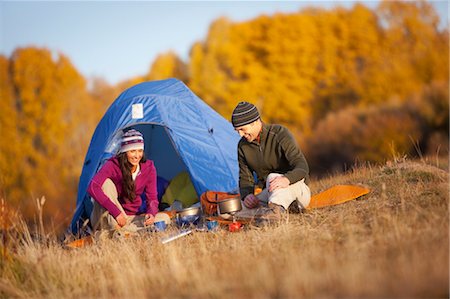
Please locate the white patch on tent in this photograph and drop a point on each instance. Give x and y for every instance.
(137, 111)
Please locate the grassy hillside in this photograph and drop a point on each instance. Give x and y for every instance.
(393, 242)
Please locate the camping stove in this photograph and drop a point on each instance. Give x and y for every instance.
(231, 206)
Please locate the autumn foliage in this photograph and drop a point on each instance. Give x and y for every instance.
(47, 118)
(350, 83)
(353, 84)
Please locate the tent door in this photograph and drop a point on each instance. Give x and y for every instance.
(159, 148)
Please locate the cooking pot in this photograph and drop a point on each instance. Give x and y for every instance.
(192, 211)
(188, 216)
(229, 205)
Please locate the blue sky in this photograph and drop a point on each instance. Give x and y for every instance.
(118, 40)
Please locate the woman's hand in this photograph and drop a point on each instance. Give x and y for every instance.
(121, 219)
(149, 219)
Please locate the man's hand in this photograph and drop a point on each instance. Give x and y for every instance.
(149, 219)
(251, 201)
(278, 182)
(121, 219)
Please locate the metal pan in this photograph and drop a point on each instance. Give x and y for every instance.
(192, 211)
(229, 205)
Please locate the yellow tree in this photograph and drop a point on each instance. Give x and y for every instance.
(414, 48)
(10, 147)
(103, 93)
(251, 61)
(168, 65)
(300, 67)
(208, 69)
(54, 115)
(291, 60)
(32, 79)
(348, 60)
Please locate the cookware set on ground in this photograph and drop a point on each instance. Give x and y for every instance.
(176, 224)
(191, 220)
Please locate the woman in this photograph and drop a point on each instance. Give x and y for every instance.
(118, 186)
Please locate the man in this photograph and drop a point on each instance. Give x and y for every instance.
(269, 152)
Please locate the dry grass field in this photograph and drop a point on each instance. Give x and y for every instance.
(391, 243)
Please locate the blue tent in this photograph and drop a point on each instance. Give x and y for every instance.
(181, 133)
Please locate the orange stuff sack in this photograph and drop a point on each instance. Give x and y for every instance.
(209, 199)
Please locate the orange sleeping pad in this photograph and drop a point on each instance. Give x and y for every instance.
(80, 243)
(336, 195)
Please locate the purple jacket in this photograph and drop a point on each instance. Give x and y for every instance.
(145, 183)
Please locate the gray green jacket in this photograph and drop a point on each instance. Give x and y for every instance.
(277, 152)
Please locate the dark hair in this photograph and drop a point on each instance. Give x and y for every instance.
(128, 187)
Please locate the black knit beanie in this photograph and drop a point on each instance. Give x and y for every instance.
(245, 113)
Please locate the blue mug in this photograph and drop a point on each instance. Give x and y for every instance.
(212, 225)
(160, 226)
